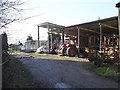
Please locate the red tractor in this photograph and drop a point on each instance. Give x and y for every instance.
(70, 48)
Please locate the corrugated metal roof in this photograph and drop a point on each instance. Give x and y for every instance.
(109, 26)
(51, 27)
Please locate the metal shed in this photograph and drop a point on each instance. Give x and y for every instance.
(87, 33)
(52, 28)
(108, 25)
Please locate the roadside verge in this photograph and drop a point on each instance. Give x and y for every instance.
(15, 75)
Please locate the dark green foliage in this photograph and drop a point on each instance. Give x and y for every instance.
(29, 38)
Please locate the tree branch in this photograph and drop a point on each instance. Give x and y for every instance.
(9, 12)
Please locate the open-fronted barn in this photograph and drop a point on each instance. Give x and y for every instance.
(100, 35)
(92, 32)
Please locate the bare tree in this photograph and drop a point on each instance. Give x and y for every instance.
(9, 11)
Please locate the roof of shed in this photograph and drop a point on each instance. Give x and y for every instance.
(52, 27)
(109, 26)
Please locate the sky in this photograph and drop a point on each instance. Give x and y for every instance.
(61, 12)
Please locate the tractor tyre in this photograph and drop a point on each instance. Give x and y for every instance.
(71, 51)
(63, 51)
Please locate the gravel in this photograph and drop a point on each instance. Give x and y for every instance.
(59, 73)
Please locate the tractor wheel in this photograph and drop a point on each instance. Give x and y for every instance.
(71, 51)
(63, 51)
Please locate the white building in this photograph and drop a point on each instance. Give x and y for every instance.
(32, 45)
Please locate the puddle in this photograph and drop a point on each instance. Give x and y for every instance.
(62, 85)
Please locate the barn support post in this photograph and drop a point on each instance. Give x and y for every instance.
(48, 42)
(38, 38)
(78, 41)
(100, 36)
(118, 6)
(48, 38)
(51, 41)
(62, 36)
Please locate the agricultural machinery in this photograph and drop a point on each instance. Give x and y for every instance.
(70, 48)
(109, 53)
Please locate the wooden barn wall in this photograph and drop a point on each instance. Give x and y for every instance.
(83, 41)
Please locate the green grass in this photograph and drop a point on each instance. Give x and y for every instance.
(56, 56)
(105, 71)
(110, 71)
(101, 70)
(15, 75)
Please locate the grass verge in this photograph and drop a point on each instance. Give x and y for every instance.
(55, 56)
(15, 75)
(108, 71)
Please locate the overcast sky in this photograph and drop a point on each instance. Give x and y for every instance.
(61, 12)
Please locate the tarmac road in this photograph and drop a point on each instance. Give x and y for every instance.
(57, 73)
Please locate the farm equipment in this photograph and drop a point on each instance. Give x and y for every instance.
(109, 53)
(69, 49)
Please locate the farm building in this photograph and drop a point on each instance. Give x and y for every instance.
(95, 34)
(32, 45)
(98, 38)
(52, 29)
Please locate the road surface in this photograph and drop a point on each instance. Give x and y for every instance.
(63, 73)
